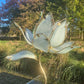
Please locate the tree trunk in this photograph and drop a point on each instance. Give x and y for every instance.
(82, 35)
(79, 34)
(70, 34)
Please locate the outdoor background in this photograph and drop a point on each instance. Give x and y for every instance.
(61, 69)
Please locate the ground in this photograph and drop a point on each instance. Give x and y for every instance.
(12, 78)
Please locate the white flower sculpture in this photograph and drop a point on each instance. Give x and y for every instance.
(48, 37)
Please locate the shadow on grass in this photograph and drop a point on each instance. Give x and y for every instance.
(24, 66)
(6, 78)
(30, 67)
(77, 56)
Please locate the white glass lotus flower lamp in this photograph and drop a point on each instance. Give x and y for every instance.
(48, 36)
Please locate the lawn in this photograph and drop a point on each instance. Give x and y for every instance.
(68, 67)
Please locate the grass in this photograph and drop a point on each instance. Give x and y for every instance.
(68, 67)
(74, 69)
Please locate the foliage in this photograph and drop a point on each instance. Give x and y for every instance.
(74, 74)
(57, 7)
(5, 30)
(27, 12)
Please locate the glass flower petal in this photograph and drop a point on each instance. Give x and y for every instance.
(37, 80)
(67, 49)
(26, 37)
(45, 26)
(22, 54)
(67, 44)
(59, 48)
(34, 82)
(29, 35)
(41, 44)
(59, 34)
